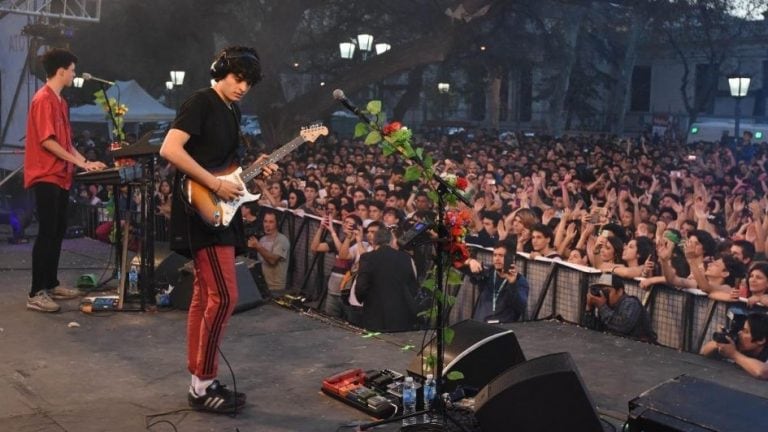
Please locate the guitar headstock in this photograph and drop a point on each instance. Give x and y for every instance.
(313, 132)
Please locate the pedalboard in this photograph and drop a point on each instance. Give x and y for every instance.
(367, 391)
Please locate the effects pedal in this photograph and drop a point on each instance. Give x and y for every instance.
(343, 382)
(354, 388)
(102, 303)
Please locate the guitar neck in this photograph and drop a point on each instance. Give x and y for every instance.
(255, 168)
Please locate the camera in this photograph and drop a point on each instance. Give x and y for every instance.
(734, 323)
(596, 291)
(253, 230)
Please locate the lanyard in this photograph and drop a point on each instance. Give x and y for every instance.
(496, 291)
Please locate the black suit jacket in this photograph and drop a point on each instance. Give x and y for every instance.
(387, 286)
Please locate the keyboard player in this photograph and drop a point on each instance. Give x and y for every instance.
(50, 160)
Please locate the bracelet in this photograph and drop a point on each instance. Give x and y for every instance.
(218, 188)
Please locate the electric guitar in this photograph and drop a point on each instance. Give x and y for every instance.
(219, 213)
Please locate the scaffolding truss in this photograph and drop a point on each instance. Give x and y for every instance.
(71, 10)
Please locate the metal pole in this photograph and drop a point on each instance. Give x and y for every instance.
(738, 118)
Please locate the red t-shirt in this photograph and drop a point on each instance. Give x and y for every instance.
(48, 118)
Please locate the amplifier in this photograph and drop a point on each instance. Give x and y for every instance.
(688, 404)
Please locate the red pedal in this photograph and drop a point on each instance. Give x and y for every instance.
(341, 383)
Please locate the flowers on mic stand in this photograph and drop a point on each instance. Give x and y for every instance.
(118, 112)
(115, 113)
(393, 137)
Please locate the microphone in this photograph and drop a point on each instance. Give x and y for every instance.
(338, 94)
(88, 77)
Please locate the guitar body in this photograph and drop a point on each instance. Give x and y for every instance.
(213, 210)
(219, 213)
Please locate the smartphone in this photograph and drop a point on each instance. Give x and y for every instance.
(322, 193)
(691, 157)
(675, 174)
(491, 182)
(720, 337)
(509, 260)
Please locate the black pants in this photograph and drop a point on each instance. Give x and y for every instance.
(51, 203)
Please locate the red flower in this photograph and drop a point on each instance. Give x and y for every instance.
(459, 254)
(461, 183)
(392, 127)
(457, 231)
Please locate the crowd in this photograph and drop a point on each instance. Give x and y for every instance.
(687, 216)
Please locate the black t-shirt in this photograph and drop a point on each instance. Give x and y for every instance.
(214, 143)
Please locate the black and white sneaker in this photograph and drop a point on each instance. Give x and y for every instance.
(217, 399)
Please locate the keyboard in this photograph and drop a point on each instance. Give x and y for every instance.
(111, 176)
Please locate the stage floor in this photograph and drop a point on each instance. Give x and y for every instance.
(116, 369)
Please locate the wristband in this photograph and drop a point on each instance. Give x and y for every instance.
(219, 187)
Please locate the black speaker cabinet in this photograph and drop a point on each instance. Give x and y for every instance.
(691, 404)
(544, 394)
(480, 351)
(248, 293)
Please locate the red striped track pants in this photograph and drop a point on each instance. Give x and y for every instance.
(213, 300)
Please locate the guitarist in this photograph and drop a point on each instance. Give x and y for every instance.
(204, 138)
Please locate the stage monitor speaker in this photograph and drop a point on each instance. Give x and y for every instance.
(248, 294)
(544, 394)
(691, 404)
(478, 350)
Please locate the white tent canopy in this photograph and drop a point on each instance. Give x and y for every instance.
(141, 106)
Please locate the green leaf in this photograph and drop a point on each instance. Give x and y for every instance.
(455, 277)
(407, 348)
(428, 162)
(451, 300)
(432, 194)
(455, 376)
(429, 283)
(361, 129)
(387, 149)
(448, 334)
(420, 153)
(412, 173)
(373, 137)
(429, 362)
(374, 107)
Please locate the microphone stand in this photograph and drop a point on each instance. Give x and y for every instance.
(443, 190)
(109, 107)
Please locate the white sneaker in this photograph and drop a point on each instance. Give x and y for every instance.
(42, 302)
(64, 293)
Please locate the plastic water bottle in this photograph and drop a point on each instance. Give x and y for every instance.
(409, 401)
(133, 276)
(429, 397)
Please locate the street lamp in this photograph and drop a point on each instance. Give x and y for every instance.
(346, 50)
(78, 82)
(443, 87)
(739, 85)
(365, 41)
(169, 85)
(382, 47)
(177, 77)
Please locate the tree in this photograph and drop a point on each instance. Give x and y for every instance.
(705, 30)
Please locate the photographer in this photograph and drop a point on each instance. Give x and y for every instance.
(503, 291)
(618, 312)
(273, 249)
(750, 351)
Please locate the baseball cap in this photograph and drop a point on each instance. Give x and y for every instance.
(609, 280)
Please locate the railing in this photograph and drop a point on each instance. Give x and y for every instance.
(682, 319)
